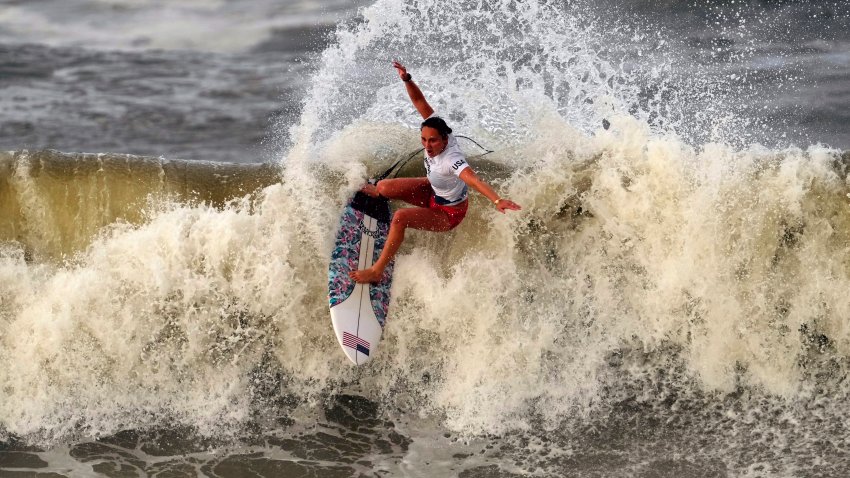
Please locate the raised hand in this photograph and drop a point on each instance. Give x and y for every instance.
(402, 71)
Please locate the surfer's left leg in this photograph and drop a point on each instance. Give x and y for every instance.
(416, 191)
(415, 217)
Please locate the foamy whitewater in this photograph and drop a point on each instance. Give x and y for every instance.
(660, 307)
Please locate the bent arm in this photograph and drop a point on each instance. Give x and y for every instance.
(413, 91)
(472, 180)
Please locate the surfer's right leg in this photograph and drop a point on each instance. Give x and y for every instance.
(415, 217)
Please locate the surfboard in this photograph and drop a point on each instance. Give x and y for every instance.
(359, 311)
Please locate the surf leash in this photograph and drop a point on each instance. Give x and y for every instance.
(486, 151)
(401, 162)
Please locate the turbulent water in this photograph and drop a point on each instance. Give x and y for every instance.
(671, 300)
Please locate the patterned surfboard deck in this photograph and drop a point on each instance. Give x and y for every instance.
(359, 311)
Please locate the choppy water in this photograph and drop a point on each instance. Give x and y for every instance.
(671, 301)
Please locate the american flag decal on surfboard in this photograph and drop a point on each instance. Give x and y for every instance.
(355, 342)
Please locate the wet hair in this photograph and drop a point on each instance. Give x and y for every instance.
(438, 124)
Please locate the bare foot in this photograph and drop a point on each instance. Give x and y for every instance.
(366, 275)
(370, 190)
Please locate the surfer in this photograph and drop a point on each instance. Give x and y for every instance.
(440, 197)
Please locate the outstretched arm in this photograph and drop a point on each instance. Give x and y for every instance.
(470, 178)
(413, 91)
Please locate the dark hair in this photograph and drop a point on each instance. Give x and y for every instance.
(438, 124)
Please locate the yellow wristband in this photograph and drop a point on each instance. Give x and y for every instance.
(496, 202)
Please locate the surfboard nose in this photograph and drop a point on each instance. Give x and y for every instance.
(356, 348)
(357, 329)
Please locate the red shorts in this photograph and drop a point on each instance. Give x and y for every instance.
(456, 213)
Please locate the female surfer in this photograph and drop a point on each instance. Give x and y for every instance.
(441, 196)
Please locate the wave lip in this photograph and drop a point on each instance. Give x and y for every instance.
(54, 203)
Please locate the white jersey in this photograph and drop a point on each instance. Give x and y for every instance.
(443, 171)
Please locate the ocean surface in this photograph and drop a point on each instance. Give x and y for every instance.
(670, 302)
